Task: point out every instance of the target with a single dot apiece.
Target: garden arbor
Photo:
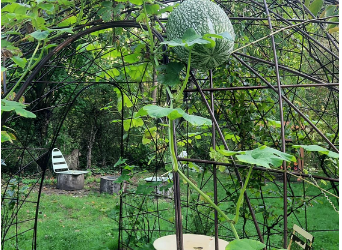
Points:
(279, 88)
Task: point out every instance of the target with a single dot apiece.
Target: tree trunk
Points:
(90, 145)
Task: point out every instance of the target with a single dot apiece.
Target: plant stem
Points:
(207, 198)
(186, 78)
(240, 200)
(172, 147)
(29, 67)
(151, 37)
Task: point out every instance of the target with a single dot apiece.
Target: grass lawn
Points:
(80, 220)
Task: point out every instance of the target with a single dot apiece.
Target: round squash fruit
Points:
(204, 17)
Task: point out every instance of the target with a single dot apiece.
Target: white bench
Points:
(66, 179)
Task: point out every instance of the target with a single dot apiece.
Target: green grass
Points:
(71, 222)
(83, 222)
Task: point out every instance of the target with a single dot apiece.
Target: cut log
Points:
(107, 185)
(70, 181)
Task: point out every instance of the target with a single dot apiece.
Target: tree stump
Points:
(70, 181)
(107, 185)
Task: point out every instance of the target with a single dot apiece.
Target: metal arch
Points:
(121, 24)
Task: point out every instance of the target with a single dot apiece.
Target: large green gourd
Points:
(204, 17)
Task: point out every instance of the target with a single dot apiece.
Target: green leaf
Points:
(142, 18)
(228, 153)
(112, 73)
(62, 30)
(274, 123)
(123, 177)
(17, 8)
(67, 22)
(137, 2)
(131, 123)
(265, 156)
(316, 6)
(329, 11)
(197, 120)
(6, 136)
(17, 107)
(152, 9)
(155, 111)
(21, 62)
(119, 162)
(166, 9)
(49, 7)
(245, 244)
(40, 35)
(316, 148)
(189, 39)
(132, 58)
(333, 155)
(169, 74)
(333, 30)
(262, 156)
(307, 3)
(25, 113)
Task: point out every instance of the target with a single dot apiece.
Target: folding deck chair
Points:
(301, 237)
(66, 179)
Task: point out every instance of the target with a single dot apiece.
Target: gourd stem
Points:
(240, 200)
(206, 197)
(150, 35)
(187, 73)
(172, 147)
(180, 94)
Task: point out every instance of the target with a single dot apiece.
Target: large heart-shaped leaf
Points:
(17, 107)
(155, 111)
(189, 39)
(316, 6)
(40, 35)
(262, 156)
(316, 148)
(245, 244)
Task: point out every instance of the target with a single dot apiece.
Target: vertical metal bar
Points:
(122, 153)
(178, 213)
(282, 124)
(42, 162)
(177, 198)
(213, 141)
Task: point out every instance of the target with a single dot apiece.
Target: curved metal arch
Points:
(114, 24)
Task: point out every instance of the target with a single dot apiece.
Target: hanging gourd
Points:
(205, 17)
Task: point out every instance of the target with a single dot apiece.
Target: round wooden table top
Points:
(190, 242)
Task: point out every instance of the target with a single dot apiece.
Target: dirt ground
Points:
(89, 188)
